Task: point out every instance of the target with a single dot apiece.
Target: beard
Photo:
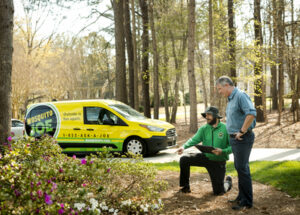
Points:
(212, 122)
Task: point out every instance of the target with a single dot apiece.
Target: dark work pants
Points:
(216, 170)
(241, 150)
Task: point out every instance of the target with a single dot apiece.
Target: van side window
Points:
(91, 115)
(100, 116)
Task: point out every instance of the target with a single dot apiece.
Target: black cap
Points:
(212, 110)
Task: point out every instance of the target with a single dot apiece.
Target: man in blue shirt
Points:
(240, 120)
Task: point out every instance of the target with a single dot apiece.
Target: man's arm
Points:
(248, 121)
(197, 138)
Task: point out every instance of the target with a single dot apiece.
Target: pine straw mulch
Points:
(267, 135)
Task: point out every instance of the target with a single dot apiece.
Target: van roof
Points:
(105, 101)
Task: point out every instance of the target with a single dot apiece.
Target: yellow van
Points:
(89, 125)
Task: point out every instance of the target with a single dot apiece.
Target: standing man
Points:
(212, 134)
(240, 120)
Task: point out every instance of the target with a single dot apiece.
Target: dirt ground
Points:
(267, 200)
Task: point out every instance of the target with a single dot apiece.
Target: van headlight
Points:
(152, 128)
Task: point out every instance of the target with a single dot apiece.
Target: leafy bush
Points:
(36, 178)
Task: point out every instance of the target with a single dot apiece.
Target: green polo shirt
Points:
(210, 136)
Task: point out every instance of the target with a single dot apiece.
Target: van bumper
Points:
(158, 143)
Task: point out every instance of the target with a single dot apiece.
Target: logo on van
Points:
(40, 120)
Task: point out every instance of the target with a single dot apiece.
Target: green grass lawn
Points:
(284, 175)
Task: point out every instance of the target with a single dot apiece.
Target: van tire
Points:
(135, 145)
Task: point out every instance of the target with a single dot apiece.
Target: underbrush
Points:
(36, 178)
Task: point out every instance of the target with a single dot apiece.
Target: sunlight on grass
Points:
(284, 175)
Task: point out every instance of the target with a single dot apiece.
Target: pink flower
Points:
(83, 161)
(12, 133)
(62, 205)
(54, 186)
(83, 184)
(9, 138)
(91, 162)
(74, 157)
(40, 193)
(28, 145)
(61, 211)
(61, 170)
(48, 200)
(108, 170)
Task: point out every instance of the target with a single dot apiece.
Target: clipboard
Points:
(205, 149)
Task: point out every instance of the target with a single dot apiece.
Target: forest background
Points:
(152, 54)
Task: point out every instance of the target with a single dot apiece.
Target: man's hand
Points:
(238, 136)
(217, 151)
(180, 150)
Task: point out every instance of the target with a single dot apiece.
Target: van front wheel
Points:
(135, 146)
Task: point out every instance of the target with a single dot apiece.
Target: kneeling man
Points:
(212, 134)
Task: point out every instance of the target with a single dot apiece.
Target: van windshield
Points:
(127, 112)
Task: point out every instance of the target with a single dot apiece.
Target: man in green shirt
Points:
(212, 134)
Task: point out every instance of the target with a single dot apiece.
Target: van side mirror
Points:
(108, 121)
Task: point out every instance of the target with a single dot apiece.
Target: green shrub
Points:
(36, 178)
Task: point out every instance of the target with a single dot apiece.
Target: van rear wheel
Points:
(135, 146)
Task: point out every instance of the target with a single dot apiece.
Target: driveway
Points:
(257, 154)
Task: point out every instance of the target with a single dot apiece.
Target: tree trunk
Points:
(178, 60)
(298, 91)
(130, 53)
(211, 55)
(258, 83)
(165, 81)
(6, 51)
(232, 38)
(121, 89)
(274, 59)
(280, 28)
(155, 62)
(136, 68)
(293, 68)
(145, 56)
(200, 62)
(191, 72)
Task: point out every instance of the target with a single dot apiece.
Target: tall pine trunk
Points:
(200, 62)
(6, 51)
(155, 62)
(121, 89)
(258, 67)
(130, 51)
(295, 102)
(135, 60)
(178, 60)
(274, 89)
(165, 81)
(191, 72)
(280, 28)
(211, 55)
(145, 57)
(232, 38)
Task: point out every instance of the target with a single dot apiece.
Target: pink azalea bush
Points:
(36, 178)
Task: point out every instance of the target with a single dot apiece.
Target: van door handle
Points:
(76, 128)
(90, 129)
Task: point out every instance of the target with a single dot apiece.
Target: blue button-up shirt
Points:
(238, 107)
